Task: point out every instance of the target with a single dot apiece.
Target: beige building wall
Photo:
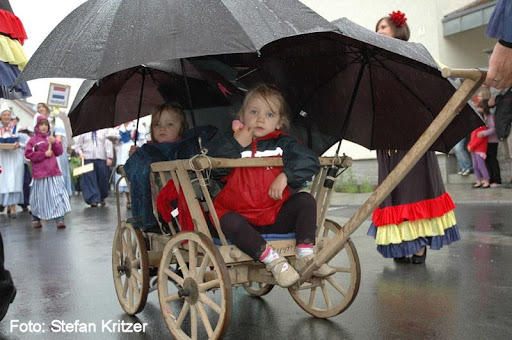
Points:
(425, 21)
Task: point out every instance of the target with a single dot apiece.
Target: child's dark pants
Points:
(297, 214)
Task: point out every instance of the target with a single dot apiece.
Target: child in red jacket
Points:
(478, 148)
(260, 200)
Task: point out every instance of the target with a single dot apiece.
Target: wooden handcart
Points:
(192, 265)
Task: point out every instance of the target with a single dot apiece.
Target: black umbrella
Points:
(376, 91)
(101, 37)
(133, 93)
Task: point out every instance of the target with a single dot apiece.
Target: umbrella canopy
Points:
(115, 99)
(101, 37)
(379, 92)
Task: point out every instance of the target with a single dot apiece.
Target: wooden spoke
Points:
(204, 319)
(312, 297)
(137, 276)
(202, 270)
(178, 279)
(136, 263)
(135, 288)
(183, 314)
(126, 284)
(181, 261)
(337, 286)
(209, 302)
(193, 322)
(192, 258)
(173, 297)
(327, 298)
(203, 287)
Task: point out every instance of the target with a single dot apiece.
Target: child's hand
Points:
(133, 148)
(244, 136)
(277, 187)
(237, 125)
(51, 139)
(48, 153)
(480, 134)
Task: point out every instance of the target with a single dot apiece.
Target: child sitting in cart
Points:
(170, 140)
(257, 201)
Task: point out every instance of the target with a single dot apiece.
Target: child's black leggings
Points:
(297, 214)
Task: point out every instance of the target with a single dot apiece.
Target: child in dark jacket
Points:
(48, 195)
(259, 200)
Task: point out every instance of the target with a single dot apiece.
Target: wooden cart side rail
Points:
(204, 162)
(179, 172)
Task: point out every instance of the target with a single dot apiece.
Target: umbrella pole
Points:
(443, 119)
(144, 72)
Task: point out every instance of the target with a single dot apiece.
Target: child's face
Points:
(43, 127)
(262, 115)
(168, 127)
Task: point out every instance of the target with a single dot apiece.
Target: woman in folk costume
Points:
(418, 212)
(11, 161)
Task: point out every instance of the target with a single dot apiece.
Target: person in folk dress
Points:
(11, 161)
(48, 196)
(418, 212)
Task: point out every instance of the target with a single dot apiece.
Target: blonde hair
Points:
(171, 107)
(266, 91)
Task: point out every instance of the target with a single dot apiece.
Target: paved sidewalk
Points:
(461, 193)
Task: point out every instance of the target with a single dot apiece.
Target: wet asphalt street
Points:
(463, 291)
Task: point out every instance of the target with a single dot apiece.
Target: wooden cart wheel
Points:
(257, 288)
(189, 311)
(130, 268)
(330, 296)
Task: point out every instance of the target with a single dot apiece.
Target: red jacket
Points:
(246, 190)
(478, 144)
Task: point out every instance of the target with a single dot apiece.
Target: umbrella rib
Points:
(406, 88)
(373, 105)
(352, 101)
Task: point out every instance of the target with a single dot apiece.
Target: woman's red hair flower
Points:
(398, 18)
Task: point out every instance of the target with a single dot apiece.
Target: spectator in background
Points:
(94, 147)
(24, 135)
(503, 120)
(11, 160)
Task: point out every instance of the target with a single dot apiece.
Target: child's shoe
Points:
(285, 278)
(37, 224)
(61, 225)
(324, 271)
